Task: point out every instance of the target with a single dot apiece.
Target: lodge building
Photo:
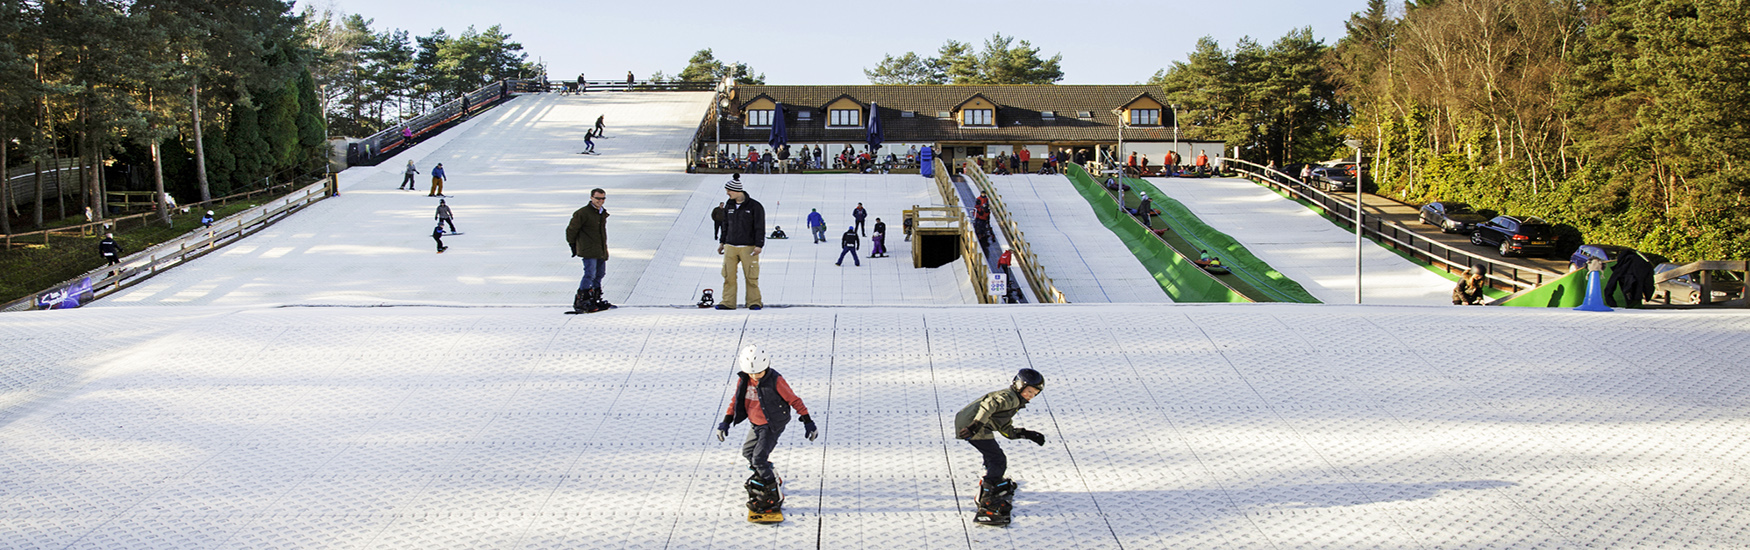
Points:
(958, 121)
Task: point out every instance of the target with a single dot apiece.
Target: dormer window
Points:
(759, 117)
(845, 117)
(978, 117)
(1145, 117)
(1048, 115)
(1085, 115)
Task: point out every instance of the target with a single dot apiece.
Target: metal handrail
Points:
(1516, 275)
(374, 148)
(1043, 287)
(177, 252)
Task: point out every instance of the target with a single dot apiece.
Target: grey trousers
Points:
(758, 447)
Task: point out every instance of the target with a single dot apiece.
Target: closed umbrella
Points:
(874, 129)
(779, 136)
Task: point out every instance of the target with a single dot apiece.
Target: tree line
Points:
(370, 79)
(1627, 121)
(202, 99)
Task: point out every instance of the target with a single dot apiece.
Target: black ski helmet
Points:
(1028, 377)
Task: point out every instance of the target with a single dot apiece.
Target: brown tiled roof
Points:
(1018, 117)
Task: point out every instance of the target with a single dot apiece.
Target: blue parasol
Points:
(874, 129)
(779, 136)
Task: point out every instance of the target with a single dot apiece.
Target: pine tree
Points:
(253, 160)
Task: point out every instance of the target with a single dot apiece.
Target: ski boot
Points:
(580, 303)
(765, 499)
(995, 503)
(707, 300)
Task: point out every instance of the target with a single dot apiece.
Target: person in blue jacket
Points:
(437, 181)
(817, 225)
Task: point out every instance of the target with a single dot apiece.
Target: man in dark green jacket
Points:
(588, 237)
(995, 412)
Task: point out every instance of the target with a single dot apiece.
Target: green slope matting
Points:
(1182, 280)
(1245, 265)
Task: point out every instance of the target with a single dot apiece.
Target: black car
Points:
(1332, 178)
(1526, 237)
(1452, 217)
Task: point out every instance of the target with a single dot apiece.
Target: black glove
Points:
(808, 430)
(970, 430)
(1033, 436)
(723, 427)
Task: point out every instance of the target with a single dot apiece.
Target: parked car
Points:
(1332, 178)
(1452, 217)
(1685, 289)
(1606, 252)
(1515, 236)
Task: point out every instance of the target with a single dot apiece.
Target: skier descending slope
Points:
(764, 399)
(995, 412)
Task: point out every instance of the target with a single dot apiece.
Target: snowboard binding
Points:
(765, 499)
(707, 300)
(995, 503)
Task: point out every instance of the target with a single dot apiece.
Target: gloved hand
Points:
(808, 430)
(1033, 436)
(970, 430)
(723, 427)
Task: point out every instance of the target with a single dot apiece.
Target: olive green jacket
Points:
(996, 410)
(588, 233)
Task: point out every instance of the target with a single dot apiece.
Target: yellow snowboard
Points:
(775, 516)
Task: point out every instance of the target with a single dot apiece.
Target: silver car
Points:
(1686, 290)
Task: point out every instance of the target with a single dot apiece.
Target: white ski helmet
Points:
(753, 360)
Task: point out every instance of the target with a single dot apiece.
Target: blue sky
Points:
(1102, 41)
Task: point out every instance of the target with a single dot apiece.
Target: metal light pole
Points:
(1175, 132)
(1356, 145)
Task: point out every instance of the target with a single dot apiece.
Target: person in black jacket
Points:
(717, 222)
(744, 236)
(1635, 274)
(110, 251)
(851, 243)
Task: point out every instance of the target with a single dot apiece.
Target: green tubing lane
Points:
(1182, 280)
(1256, 272)
(1568, 291)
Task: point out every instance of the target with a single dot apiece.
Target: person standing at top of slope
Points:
(437, 181)
(995, 413)
(588, 236)
(859, 213)
(744, 236)
(407, 177)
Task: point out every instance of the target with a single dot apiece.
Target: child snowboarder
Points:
(880, 240)
(995, 412)
(764, 399)
(445, 216)
(437, 234)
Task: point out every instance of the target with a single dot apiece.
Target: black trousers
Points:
(758, 447)
(996, 464)
(407, 181)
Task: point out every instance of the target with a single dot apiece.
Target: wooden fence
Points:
(145, 264)
(1043, 288)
